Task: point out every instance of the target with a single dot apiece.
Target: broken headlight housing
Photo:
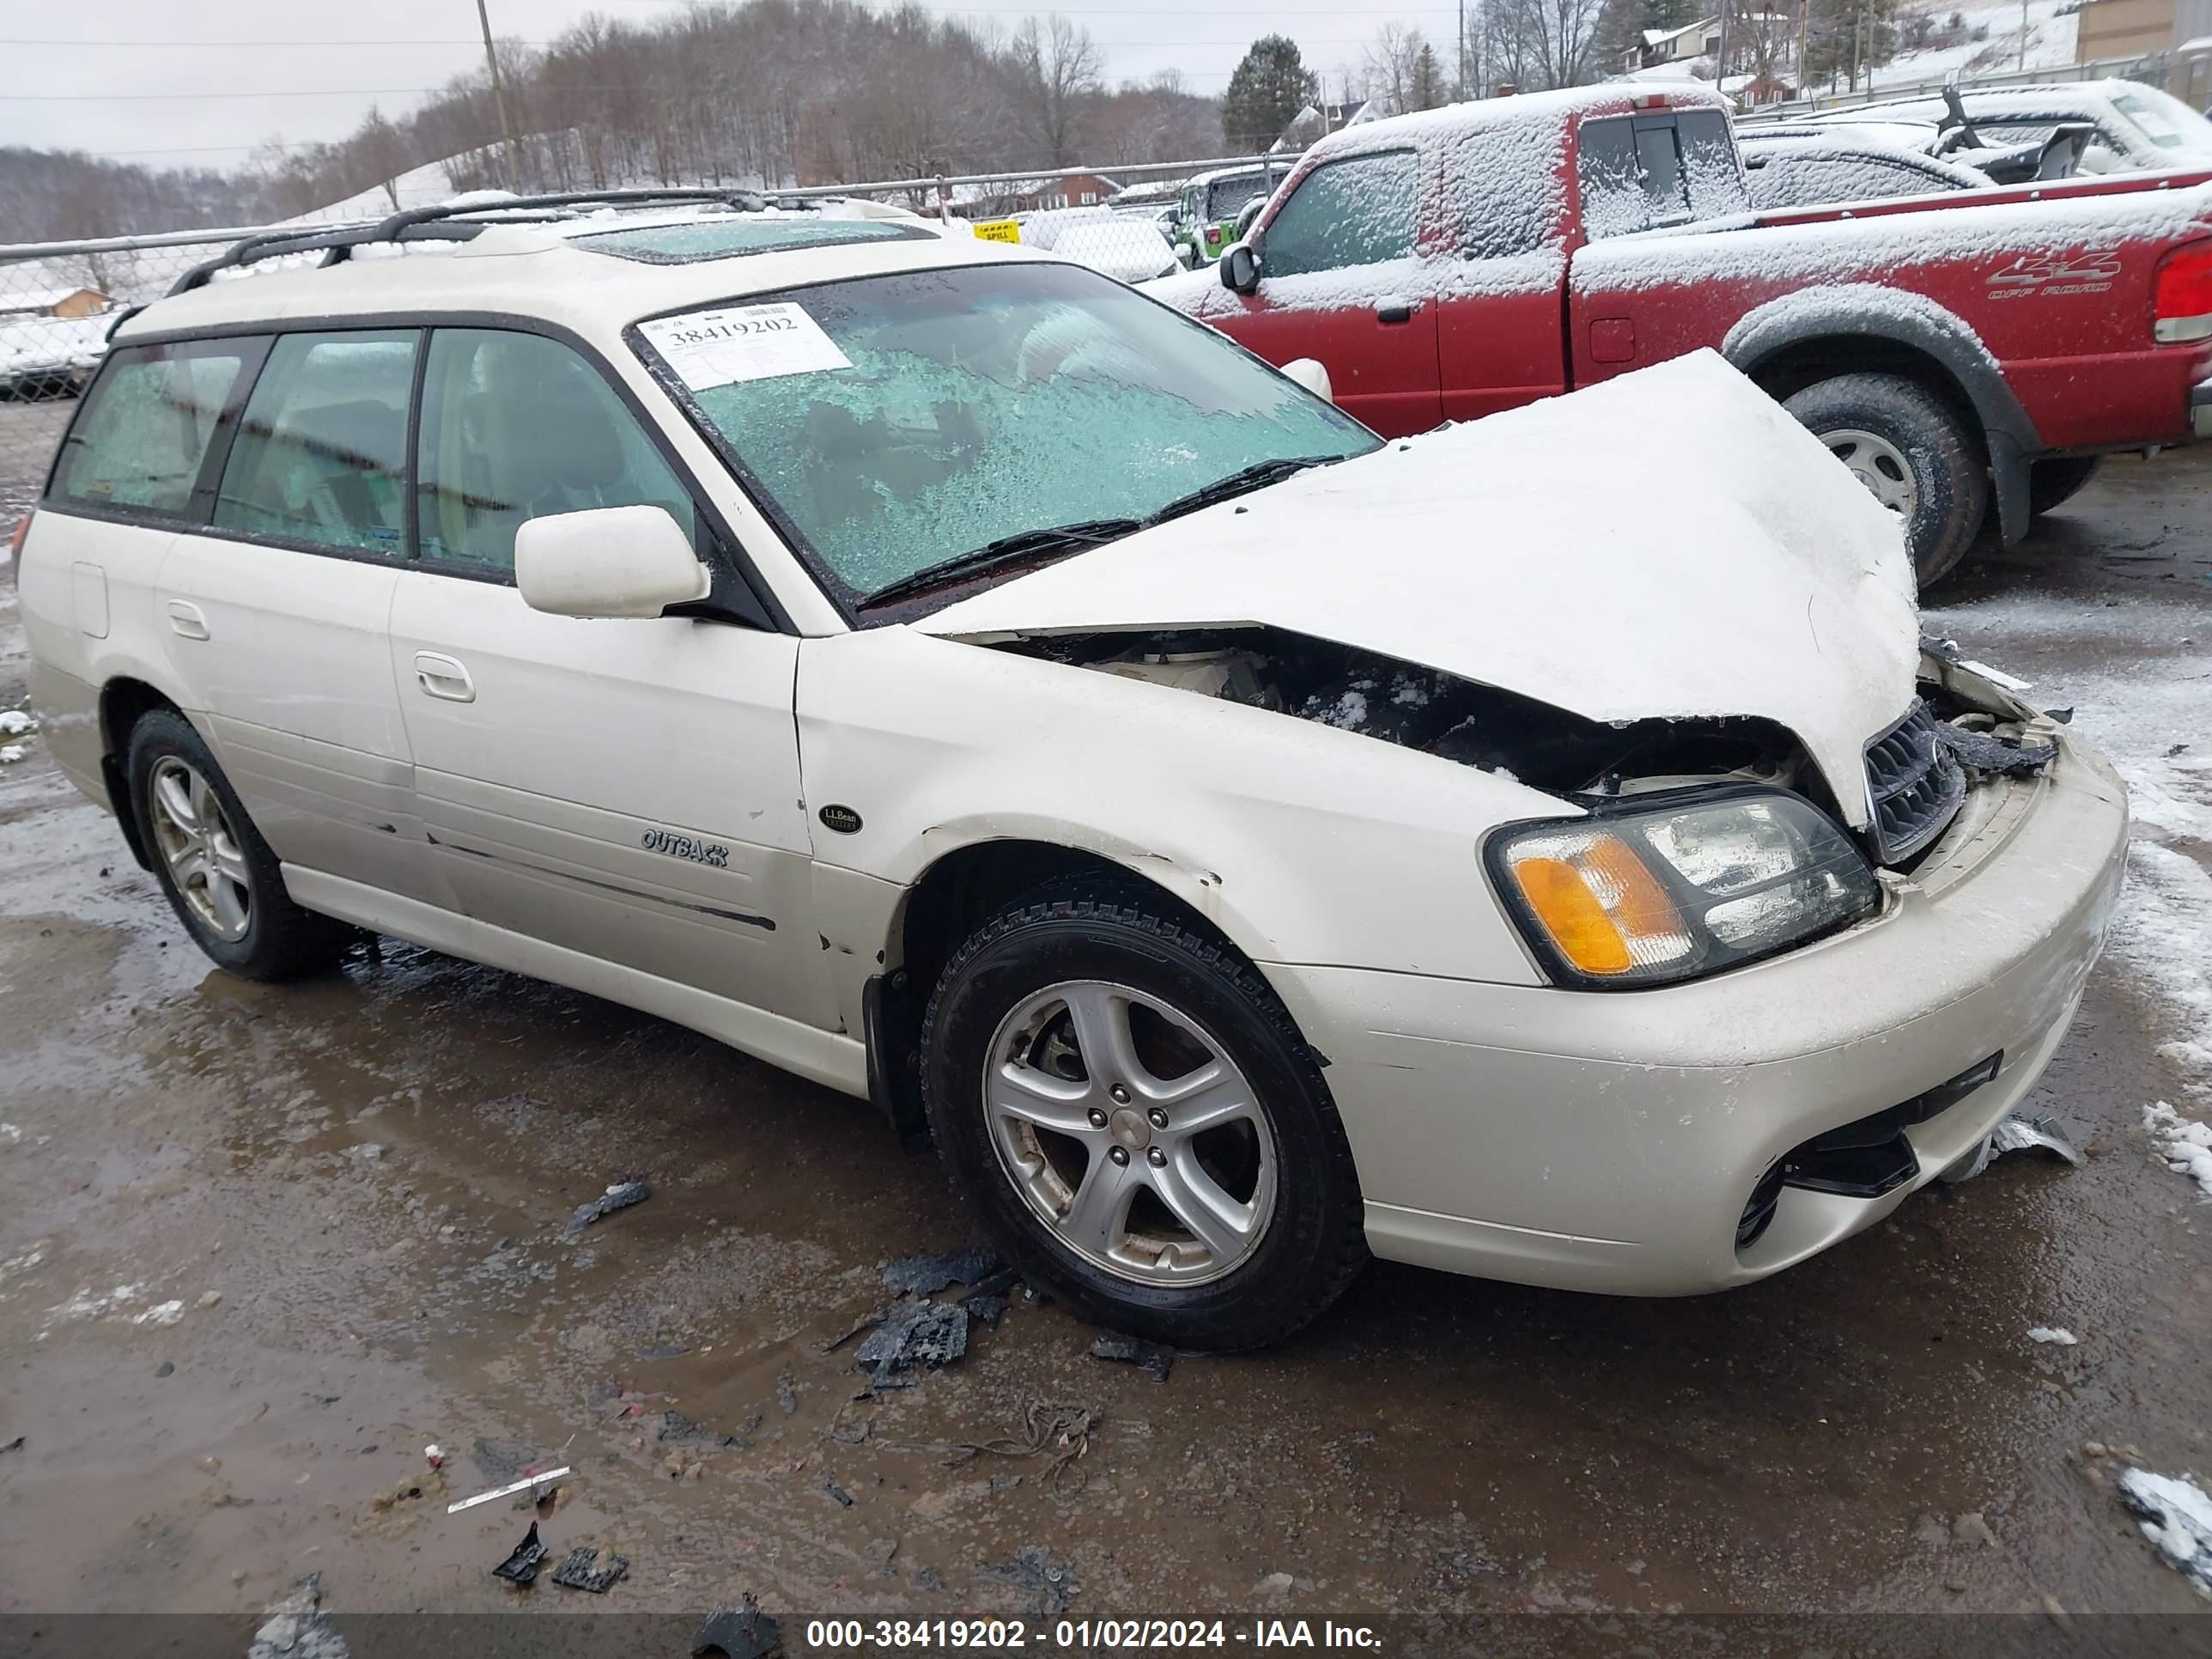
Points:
(1680, 885)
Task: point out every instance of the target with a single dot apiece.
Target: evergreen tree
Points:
(1267, 90)
(1426, 87)
(1846, 39)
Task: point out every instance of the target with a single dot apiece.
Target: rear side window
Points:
(146, 424)
(321, 451)
(1641, 171)
(515, 427)
(1359, 211)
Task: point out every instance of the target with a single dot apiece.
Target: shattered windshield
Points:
(901, 421)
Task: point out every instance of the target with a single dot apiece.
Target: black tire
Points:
(1313, 1243)
(2054, 483)
(280, 940)
(1950, 479)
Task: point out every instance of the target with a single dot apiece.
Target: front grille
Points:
(1915, 783)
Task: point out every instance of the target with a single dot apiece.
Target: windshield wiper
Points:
(1006, 549)
(1242, 481)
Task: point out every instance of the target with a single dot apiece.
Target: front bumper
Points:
(1610, 1142)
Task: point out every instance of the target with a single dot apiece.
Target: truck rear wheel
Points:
(1911, 452)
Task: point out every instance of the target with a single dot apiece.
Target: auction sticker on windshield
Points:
(743, 342)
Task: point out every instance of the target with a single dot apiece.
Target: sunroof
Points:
(761, 233)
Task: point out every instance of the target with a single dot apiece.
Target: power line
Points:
(255, 44)
(144, 97)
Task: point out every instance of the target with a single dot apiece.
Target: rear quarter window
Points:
(137, 444)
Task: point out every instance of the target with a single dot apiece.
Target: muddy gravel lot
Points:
(259, 1246)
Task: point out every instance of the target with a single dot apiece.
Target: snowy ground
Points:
(2050, 44)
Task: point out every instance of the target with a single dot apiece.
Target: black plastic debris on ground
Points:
(914, 1336)
(1047, 1582)
(587, 1569)
(620, 1197)
(2000, 757)
(919, 1275)
(836, 1494)
(743, 1632)
(1130, 1351)
(522, 1565)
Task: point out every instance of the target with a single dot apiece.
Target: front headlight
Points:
(1652, 894)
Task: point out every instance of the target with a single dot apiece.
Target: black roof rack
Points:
(453, 222)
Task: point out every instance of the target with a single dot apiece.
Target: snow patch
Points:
(10, 753)
(162, 1313)
(2176, 1515)
(2057, 1335)
(14, 722)
(2183, 1142)
(2163, 936)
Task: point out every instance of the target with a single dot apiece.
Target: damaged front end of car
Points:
(1697, 844)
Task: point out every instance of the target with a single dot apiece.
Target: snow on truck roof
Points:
(595, 271)
(1534, 113)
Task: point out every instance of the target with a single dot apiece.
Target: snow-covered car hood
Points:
(1668, 544)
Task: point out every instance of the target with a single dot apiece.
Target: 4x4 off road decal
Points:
(2090, 271)
(684, 847)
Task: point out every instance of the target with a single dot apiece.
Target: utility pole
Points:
(1463, 48)
(2023, 36)
(499, 97)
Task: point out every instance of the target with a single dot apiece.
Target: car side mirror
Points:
(607, 562)
(1240, 267)
(1313, 374)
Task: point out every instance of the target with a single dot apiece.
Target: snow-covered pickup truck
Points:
(1954, 351)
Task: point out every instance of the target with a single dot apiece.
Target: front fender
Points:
(1302, 843)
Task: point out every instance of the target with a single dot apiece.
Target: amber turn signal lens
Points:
(1604, 910)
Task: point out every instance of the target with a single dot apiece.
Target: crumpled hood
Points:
(1670, 542)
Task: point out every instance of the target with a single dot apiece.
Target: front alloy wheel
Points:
(1126, 1105)
(200, 848)
(1130, 1133)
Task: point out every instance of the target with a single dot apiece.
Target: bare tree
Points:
(1538, 44)
(1387, 68)
(1057, 68)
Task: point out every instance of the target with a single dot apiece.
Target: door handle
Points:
(186, 619)
(443, 677)
(1395, 310)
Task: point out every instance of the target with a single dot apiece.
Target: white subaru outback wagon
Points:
(1241, 844)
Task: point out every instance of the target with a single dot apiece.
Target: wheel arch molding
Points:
(1810, 335)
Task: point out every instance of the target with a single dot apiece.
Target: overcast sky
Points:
(101, 75)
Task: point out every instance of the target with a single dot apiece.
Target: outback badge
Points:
(710, 852)
(843, 819)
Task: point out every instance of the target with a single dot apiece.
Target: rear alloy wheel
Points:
(205, 866)
(221, 877)
(1127, 1106)
(1912, 453)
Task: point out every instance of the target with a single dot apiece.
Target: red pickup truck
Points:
(1966, 358)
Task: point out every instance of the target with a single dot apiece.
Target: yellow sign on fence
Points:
(999, 230)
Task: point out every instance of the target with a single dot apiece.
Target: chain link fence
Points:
(57, 301)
